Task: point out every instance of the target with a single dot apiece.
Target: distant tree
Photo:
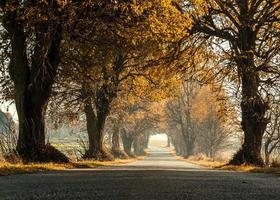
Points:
(197, 119)
(179, 113)
(213, 135)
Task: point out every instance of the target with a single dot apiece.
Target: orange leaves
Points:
(204, 103)
(167, 22)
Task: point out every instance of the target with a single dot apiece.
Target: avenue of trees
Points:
(130, 68)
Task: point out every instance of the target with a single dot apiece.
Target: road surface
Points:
(160, 176)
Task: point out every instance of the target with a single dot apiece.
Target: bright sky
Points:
(159, 137)
(158, 140)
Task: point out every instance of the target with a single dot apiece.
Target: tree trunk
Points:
(182, 151)
(267, 158)
(95, 127)
(31, 140)
(189, 141)
(32, 86)
(146, 140)
(116, 150)
(168, 141)
(190, 148)
(116, 140)
(102, 100)
(139, 145)
(187, 124)
(127, 144)
(253, 115)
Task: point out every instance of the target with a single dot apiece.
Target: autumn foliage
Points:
(190, 69)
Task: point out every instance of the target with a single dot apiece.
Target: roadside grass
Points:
(223, 166)
(21, 168)
(250, 168)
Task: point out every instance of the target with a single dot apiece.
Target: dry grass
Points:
(20, 168)
(249, 168)
(206, 163)
(8, 168)
(200, 160)
(223, 166)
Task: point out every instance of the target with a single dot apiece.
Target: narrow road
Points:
(160, 176)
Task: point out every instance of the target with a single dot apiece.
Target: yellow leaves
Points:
(208, 101)
(198, 2)
(204, 103)
(140, 8)
(167, 22)
(159, 21)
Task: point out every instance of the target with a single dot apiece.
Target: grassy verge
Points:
(20, 168)
(249, 168)
(224, 166)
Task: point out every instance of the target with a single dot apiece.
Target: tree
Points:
(197, 118)
(179, 113)
(244, 33)
(35, 34)
(211, 112)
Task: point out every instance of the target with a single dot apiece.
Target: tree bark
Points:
(116, 149)
(127, 144)
(187, 126)
(138, 145)
(146, 140)
(95, 127)
(116, 140)
(253, 115)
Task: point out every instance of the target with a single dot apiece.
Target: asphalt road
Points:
(160, 176)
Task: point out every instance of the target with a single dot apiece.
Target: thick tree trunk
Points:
(187, 125)
(139, 146)
(33, 83)
(127, 144)
(31, 140)
(95, 126)
(253, 116)
(253, 107)
(116, 149)
(179, 145)
(189, 141)
(189, 148)
(103, 98)
(146, 140)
